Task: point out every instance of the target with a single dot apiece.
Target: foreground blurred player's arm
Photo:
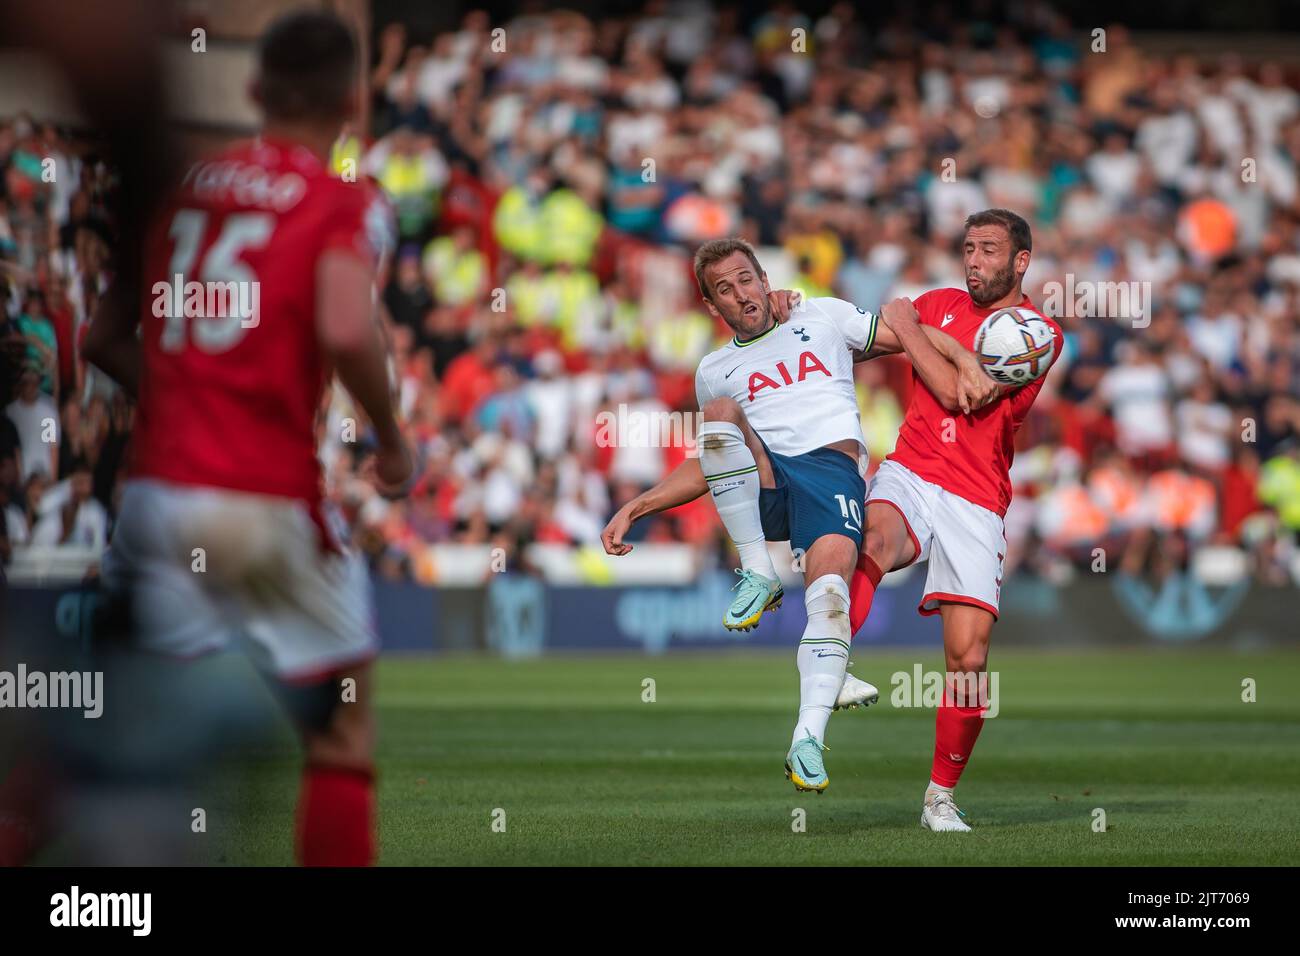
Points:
(111, 343)
(685, 483)
(351, 340)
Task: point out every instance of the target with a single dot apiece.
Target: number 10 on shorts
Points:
(852, 511)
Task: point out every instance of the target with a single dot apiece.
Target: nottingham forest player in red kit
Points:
(943, 493)
(225, 447)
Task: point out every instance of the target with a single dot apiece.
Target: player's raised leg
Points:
(960, 715)
(888, 542)
(823, 655)
(736, 467)
(336, 802)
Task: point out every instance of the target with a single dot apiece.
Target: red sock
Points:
(862, 589)
(25, 795)
(335, 810)
(956, 728)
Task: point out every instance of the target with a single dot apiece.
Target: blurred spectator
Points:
(36, 419)
(550, 396)
(68, 513)
(1136, 391)
(407, 297)
(42, 345)
(1178, 501)
(1205, 429)
(455, 269)
(412, 172)
(1279, 487)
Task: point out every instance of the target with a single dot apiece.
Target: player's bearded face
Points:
(989, 287)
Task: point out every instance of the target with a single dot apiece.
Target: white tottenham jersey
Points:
(795, 382)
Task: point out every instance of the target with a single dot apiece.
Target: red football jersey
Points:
(975, 462)
(230, 387)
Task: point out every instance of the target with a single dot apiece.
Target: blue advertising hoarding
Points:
(516, 615)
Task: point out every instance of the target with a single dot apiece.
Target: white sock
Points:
(934, 789)
(732, 474)
(823, 654)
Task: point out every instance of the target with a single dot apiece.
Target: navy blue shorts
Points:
(819, 492)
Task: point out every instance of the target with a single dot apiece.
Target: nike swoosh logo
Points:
(946, 320)
(802, 769)
(820, 654)
(728, 375)
(722, 491)
(749, 605)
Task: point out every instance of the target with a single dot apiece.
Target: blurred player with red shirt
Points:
(222, 536)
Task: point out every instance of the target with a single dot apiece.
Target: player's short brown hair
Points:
(1015, 226)
(715, 250)
(307, 66)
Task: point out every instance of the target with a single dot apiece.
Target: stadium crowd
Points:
(64, 434)
(550, 176)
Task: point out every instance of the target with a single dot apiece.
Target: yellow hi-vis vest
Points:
(456, 277)
(345, 150)
(680, 341)
(574, 292)
(517, 224)
(530, 299)
(570, 227)
(404, 176)
(1279, 487)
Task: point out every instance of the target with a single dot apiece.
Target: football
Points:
(1015, 345)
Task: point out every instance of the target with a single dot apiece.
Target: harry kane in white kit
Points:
(781, 451)
(792, 385)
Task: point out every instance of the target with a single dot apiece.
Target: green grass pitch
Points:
(586, 772)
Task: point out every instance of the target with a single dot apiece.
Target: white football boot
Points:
(941, 815)
(856, 693)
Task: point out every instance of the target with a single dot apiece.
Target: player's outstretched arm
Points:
(978, 387)
(351, 340)
(971, 388)
(685, 483)
(953, 374)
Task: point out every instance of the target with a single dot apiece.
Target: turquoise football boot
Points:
(804, 766)
(757, 594)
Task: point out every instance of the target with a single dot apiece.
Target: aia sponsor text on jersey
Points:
(808, 364)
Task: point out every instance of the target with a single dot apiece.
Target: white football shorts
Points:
(208, 568)
(964, 543)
